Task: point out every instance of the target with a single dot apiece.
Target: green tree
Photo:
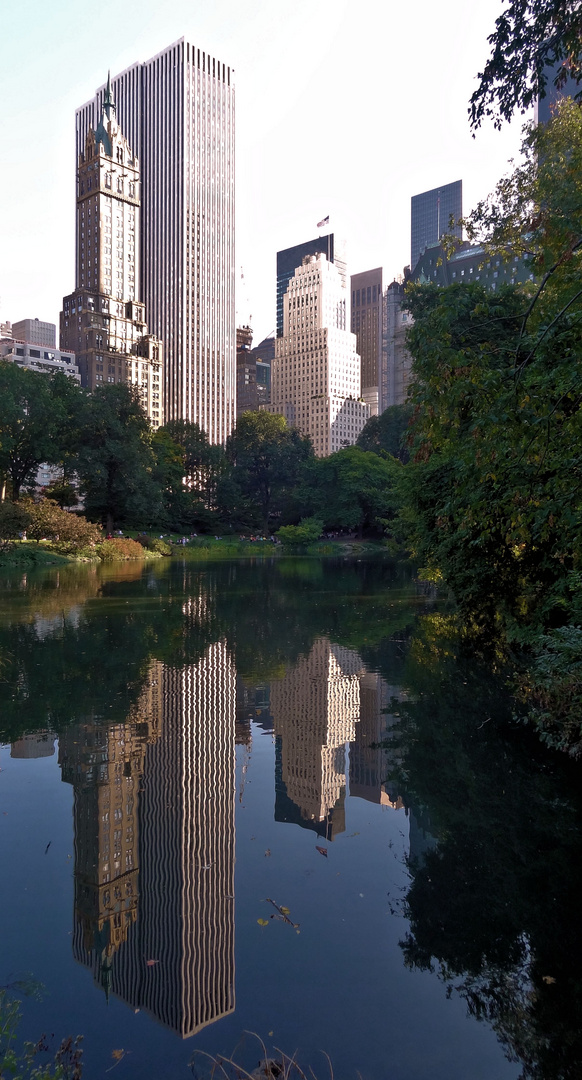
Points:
(33, 421)
(492, 496)
(267, 459)
(531, 38)
(352, 489)
(189, 469)
(14, 520)
(387, 432)
(308, 530)
(47, 521)
(115, 461)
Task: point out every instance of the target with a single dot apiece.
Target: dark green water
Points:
(185, 744)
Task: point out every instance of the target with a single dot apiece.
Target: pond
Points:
(277, 798)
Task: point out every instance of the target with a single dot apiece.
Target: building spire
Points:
(108, 102)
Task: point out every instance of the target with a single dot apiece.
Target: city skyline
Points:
(277, 205)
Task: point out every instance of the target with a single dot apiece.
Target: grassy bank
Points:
(29, 553)
(207, 547)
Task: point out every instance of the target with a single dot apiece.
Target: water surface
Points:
(277, 798)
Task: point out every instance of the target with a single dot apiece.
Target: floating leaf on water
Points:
(322, 850)
(548, 979)
(285, 910)
(150, 963)
(117, 1054)
(263, 922)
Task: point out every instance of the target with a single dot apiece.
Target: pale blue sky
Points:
(343, 108)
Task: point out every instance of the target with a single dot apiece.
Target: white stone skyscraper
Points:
(177, 112)
(316, 376)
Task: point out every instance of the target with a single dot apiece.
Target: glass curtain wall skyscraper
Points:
(177, 111)
(430, 217)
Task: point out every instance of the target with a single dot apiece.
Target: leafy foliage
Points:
(387, 432)
(268, 458)
(531, 37)
(69, 532)
(492, 496)
(308, 530)
(352, 489)
(14, 519)
(36, 411)
(114, 458)
(119, 547)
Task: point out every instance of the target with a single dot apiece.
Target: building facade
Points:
(177, 110)
(366, 324)
(290, 258)
(430, 217)
(35, 332)
(396, 366)
(246, 375)
(316, 381)
(253, 371)
(36, 358)
(103, 319)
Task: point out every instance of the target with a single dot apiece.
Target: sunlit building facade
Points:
(177, 111)
(315, 378)
(103, 320)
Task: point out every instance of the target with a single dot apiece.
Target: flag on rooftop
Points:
(324, 221)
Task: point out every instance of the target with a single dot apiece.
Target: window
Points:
(107, 180)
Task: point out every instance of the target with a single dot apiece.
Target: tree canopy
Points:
(114, 458)
(36, 416)
(268, 457)
(535, 42)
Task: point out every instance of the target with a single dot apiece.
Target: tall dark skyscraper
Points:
(290, 258)
(430, 217)
(177, 113)
(367, 326)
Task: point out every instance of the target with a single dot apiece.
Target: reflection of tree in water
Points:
(494, 908)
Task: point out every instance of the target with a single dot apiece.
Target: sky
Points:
(342, 108)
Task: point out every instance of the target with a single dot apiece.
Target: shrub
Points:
(308, 530)
(67, 532)
(14, 520)
(153, 543)
(118, 549)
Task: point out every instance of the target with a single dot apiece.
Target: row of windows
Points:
(370, 295)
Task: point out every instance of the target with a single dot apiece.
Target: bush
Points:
(119, 548)
(153, 543)
(67, 532)
(307, 532)
(14, 520)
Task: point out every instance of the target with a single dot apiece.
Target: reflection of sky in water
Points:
(130, 915)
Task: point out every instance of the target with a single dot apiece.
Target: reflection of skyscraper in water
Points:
(104, 763)
(187, 923)
(370, 762)
(315, 710)
(185, 915)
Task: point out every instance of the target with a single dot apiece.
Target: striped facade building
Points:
(182, 920)
(177, 112)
